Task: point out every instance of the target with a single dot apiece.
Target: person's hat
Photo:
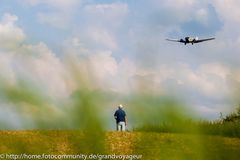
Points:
(120, 106)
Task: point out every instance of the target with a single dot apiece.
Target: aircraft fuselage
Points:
(192, 40)
(189, 40)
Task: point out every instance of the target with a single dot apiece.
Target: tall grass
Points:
(83, 111)
(228, 129)
(80, 111)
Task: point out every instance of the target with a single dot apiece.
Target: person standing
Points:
(120, 117)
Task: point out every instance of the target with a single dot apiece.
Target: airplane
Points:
(190, 40)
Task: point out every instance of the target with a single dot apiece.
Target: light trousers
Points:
(121, 126)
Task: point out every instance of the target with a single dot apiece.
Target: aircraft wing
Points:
(173, 40)
(202, 40)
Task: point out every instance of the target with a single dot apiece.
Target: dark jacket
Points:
(120, 115)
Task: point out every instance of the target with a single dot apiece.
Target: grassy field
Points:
(148, 144)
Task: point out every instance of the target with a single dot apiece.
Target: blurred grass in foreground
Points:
(152, 110)
(83, 111)
(80, 111)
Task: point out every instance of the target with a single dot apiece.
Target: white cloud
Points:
(121, 80)
(108, 11)
(56, 19)
(202, 16)
(227, 39)
(44, 69)
(102, 37)
(103, 64)
(11, 38)
(37, 62)
(75, 46)
(58, 4)
(106, 15)
(100, 63)
(6, 71)
(210, 80)
(11, 35)
(178, 10)
(216, 69)
(180, 4)
(59, 12)
(228, 10)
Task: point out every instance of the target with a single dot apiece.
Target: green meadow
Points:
(150, 145)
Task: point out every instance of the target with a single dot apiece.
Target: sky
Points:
(124, 43)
